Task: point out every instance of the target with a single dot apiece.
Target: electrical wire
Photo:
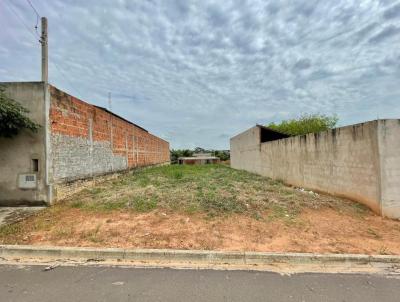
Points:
(34, 34)
(34, 9)
(37, 15)
(51, 62)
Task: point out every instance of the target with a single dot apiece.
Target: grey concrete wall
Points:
(360, 162)
(389, 154)
(16, 153)
(79, 158)
(245, 151)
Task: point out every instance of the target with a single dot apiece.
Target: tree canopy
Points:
(176, 153)
(13, 117)
(308, 123)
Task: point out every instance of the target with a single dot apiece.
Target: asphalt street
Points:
(83, 283)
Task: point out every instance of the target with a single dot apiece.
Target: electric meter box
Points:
(27, 181)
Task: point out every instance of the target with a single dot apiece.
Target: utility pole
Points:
(45, 57)
(45, 79)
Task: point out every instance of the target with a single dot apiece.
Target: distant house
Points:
(199, 159)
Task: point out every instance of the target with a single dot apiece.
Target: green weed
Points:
(142, 204)
(210, 189)
(10, 229)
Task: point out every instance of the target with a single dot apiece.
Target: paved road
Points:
(31, 283)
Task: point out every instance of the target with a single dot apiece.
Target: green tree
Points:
(13, 117)
(308, 123)
(200, 150)
(222, 154)
(176, 153)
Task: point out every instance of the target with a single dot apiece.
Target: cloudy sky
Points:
(199, 72)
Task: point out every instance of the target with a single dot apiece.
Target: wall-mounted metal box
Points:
(27, 181)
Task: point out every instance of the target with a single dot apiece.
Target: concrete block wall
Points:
(245, 151)
(389, 154)
(16, 153)
(87, 140)
(359, 162)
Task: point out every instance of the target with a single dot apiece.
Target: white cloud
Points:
(197, 72)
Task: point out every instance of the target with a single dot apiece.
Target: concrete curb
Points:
(190, 256)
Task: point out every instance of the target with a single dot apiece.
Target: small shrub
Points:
(308, 123)
(13, 116)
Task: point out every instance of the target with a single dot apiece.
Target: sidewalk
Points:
(287, 263)
(10, 215)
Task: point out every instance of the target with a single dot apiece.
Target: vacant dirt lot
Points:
(207, 207)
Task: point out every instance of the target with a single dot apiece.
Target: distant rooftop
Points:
(198, 157)
(202, 155)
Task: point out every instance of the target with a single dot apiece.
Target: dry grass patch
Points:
(207, 207)
(214, 190)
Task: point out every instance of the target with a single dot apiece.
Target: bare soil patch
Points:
(211, 207)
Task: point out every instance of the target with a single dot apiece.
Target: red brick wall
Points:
(71, 117)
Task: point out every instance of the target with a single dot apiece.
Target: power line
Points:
(34, 34)
(37, 15)
(34, 9)
(51, 62)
